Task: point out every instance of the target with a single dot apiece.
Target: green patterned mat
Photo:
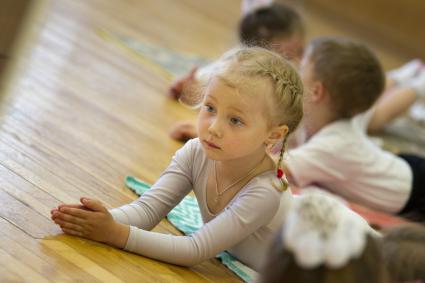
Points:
(168, 63)
(187, 218)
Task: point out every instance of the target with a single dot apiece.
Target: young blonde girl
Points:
(253, 100)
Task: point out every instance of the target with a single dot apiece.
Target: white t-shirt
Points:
(342, 159)
(244, 227)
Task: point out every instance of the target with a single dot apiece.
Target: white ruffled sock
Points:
(405, 72)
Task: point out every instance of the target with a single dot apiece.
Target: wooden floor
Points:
(78, 114)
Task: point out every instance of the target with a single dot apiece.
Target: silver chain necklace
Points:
(219, 194)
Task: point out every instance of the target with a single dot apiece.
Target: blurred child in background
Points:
(403, 251)
(323, 241)
(343, 80)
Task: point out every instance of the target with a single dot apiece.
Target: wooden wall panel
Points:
(394, 24)
(11, 16)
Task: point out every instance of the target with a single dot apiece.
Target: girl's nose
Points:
(215, 128)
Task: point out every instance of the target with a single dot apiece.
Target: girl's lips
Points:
(210, 144)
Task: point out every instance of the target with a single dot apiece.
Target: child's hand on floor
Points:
(180, 84)
(90, 220)
(183, 131)
(56, 209)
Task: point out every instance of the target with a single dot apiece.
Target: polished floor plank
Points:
(77, 117)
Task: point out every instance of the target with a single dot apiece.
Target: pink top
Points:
(243, 228)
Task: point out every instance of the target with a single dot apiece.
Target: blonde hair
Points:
(246, 68)
(241, 66)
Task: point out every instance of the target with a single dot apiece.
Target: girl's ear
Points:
(277, 133)
(318, 92)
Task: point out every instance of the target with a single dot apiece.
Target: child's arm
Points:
(171, 187)
(178, 86)
(390, 106)
(192, 81)
(92, 220)
(147, 211)
(183, 131)
(214, 236)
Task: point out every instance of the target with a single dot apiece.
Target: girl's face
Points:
(232, 125)
(291, 48)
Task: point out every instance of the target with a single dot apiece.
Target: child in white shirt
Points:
(343, 79)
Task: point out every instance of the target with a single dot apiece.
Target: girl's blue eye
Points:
(235, 121)
(209, 108)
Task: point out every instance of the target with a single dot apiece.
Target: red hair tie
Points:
(279, 173)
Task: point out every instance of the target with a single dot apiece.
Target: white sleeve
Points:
(361, 121)
(317, 161)
(172, 186)
(252, 210)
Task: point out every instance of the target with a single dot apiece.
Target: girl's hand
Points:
(183, 131)
(179, 85)
(56, 209)
(91, 220)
